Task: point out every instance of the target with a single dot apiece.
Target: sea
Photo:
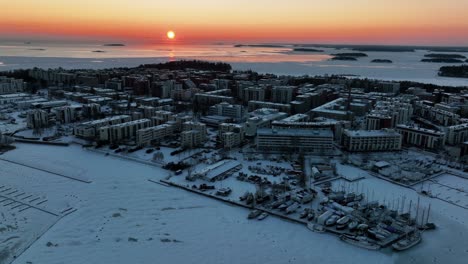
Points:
(275, 59)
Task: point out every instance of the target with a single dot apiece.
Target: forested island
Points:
(344, 58)
(454, 71)
(350, 54)
(381, 61)
(258, 46)
(190, 64)
(442, 60)
(307, 50)
(445, 56)
(114, 45)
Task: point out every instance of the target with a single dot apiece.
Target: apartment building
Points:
(371, 140)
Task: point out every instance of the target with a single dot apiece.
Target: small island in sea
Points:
(258, 46)
(381, 61)
(306, 50)
(344, 58)
(443, 58)
(114, 45)
(446, 56)
(350, 54)
(454, 71)
(99, 51)
(38, 49)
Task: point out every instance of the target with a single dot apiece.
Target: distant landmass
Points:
(442, 60)
(454, 71)
(381, 61)
(98, 51)
(386, 48)
(307, 50)
(344, 58)
(190, 64)
(38, 49)
(114, 45)
(444, 56)
(259, 46)
(350, 54)
(448, 49)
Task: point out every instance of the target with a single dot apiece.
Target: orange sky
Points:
(332, 21)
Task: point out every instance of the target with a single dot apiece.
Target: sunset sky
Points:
(425, 22)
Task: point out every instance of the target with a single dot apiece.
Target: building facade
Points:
(295, 140)
(374, 140)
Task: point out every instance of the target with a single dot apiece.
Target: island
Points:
(190, 64)
(381, 61)
(442, 60)
(445, 56)
(306, 50)
(39, 49)
(114, 45)
(350, 54)
(99, 51)
(344, 58)
(258, 46)
(454, 71)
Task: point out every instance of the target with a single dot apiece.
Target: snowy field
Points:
(121, 217)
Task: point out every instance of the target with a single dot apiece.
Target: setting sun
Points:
(170, 35)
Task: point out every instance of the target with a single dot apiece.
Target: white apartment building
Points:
(254, 93)
(282, 94)
(457, 134)
(147, 136)
(122, 131)
(90, 129)
(231, 135)
(421, 137)
(192, 138)
(37, 119)
(228, 110)
(262, 118)
(371, 140)
(66, 114)
(295, 140)
(10, 85)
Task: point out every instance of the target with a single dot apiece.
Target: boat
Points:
(353, 225)
(377, 233)
(311, 216)
(244, 196)
(285, 205)
(276, 204)
(360, 241)
(343, 220)
(304, 213)
(407, 242)
(254, 214)
(224, 191)
(332, 220)
(316, 227)
(262, 216)
(292, 208)
(362, 227)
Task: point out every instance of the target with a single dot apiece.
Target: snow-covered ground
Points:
(124, 218)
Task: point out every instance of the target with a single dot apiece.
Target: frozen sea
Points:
(277, 60)
(121, 217)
